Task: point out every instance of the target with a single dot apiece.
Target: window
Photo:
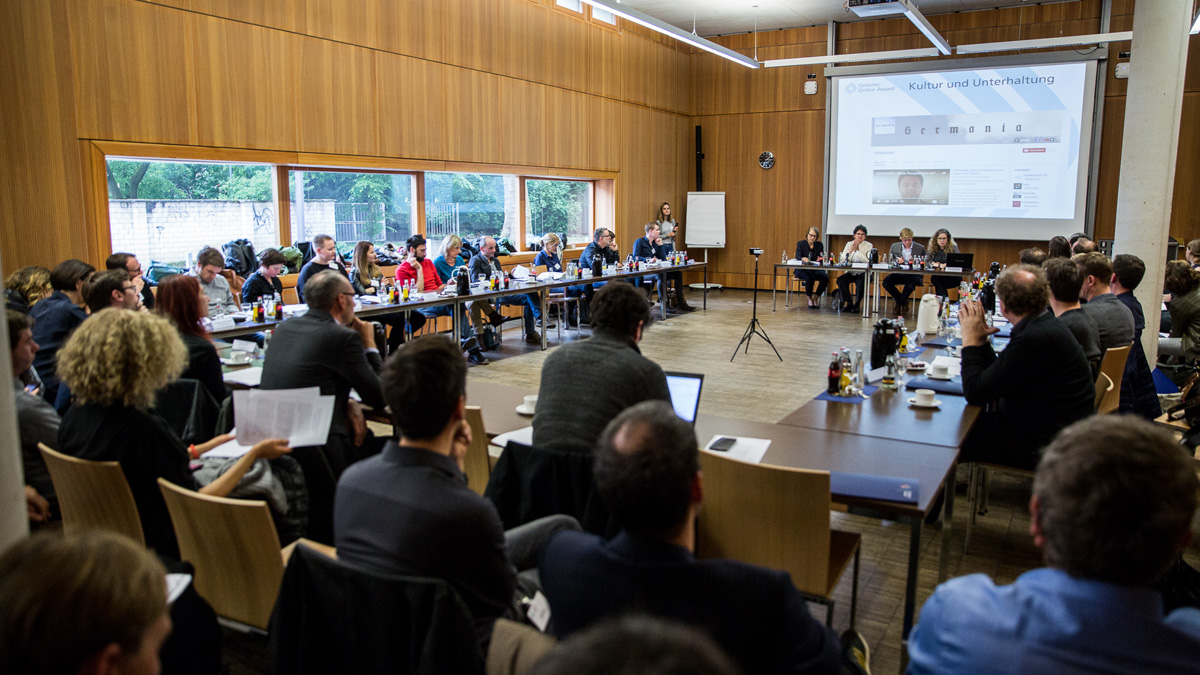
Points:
(352, 207)
(166, 211)
(471, 205)
(603, 15)
(558, 206)
(574, 5)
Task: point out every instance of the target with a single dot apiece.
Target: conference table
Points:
(873, 278)
(366, 310)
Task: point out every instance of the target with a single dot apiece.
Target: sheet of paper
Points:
(745, 449)
(369, 299)
(523, 435)
(245, 346)
(229, 450)
(295, 310)
(176, 585)
(520, 272)
(302, 416)
(246, 377)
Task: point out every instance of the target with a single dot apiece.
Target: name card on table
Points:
(881, 266)
(953, 269)
(222, 323)
(859, 266)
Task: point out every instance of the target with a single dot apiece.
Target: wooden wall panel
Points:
(289, 16)
(412, 101)
(472, 129)
(234, 62)
(412, 27)
(41, 214)
(133, 71)
(1185, 203)
(336, 98)
(524, 117)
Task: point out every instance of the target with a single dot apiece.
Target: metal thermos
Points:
(883, 342)
(463, 279)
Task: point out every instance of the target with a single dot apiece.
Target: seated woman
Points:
(23, 288)
(857, 250)
(449, 259)
(941, 244)
(115, 363)
(1059, 247)
(1192, 253)
(181, 300)
(367, 279)
(264, 282)
(549, 257)
(1183, 283)
(815, 281)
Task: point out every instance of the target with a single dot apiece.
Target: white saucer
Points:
(943, 379)
(913, 403)
(235, 362)
(524, 410)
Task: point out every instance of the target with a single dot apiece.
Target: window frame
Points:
(562, 179)
(417, 176)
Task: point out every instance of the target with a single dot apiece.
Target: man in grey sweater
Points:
(1112, 317)
(586, 384)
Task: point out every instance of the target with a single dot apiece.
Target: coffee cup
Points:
(924, 397)
(239, 358)
(940, 371)
(531, 402)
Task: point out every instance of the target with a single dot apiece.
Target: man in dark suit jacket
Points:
(485, 264)
(904, 251)
(1040, 383)
(325, 348)
(648, 470)
(1138, 394)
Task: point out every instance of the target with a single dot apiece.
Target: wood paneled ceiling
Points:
(723, 17)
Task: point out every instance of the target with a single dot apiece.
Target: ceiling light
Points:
(1043, 43)
(850, 58)
(667, 29)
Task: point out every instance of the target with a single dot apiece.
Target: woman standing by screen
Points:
(941, 244)
(666, 224)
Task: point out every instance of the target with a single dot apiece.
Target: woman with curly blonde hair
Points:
(23, 288)
(115, 363)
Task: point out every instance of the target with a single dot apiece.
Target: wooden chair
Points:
(233, 545)
(93, 495)
(779, 518)
(1113, 365)
(1103, 387)
(235, 284)
(476, 463)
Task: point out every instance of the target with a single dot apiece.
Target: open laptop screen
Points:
(685, 394)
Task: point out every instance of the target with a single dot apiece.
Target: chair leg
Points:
(986, 481)
(829, 614)
(972, 478)
(854, 587)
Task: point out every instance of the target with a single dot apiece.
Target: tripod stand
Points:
(755, 328)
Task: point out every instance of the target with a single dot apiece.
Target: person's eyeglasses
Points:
(128, 288)
(351, 293)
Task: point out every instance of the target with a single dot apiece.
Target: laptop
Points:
(963, 260)
(685, 394)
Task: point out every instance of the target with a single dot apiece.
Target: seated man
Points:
(324, 258)
(1065, 279)
(110, 288)
(652, 249)
(1040, 383)
(1112, 506)
(903, 251)
(1033, 256)
(209, 264)
(55, 317)
(37, 421)
(129, 263)
(1083, 245)
(90, 603)
(1138, 394)
(604, 247)
(1112, 317)
(328, 347)
(420, 270)
(408, 510)
(648, 472)
(585, 384)
(485, 264)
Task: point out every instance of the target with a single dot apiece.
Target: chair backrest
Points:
(766, 515)
(539, 269)
(1103, 386)
(399, 624)
(290, 296)
(476, 463)
(234, 548)
(93, 495)
(529, 483)
(1113, 364)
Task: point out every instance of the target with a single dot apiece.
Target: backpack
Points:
(306, 251)
(239, 257)
(158, 271)
(295, 259)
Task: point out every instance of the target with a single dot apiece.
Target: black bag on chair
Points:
(489, 338)
(239, 257)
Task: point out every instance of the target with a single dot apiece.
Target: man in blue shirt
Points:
(652, 249)
(1112, 505)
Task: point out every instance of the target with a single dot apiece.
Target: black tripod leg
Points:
(745, 339)
(762, 332)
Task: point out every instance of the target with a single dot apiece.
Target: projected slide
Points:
(1002, 143)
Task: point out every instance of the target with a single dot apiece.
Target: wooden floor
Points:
(760, 387)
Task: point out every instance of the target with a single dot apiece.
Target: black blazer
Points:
(257, 286)
(315, 351)
(755, 614)
(803, 250)
(1041, 381)
(204, 365)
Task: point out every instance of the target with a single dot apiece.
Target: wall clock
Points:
(767, 159)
